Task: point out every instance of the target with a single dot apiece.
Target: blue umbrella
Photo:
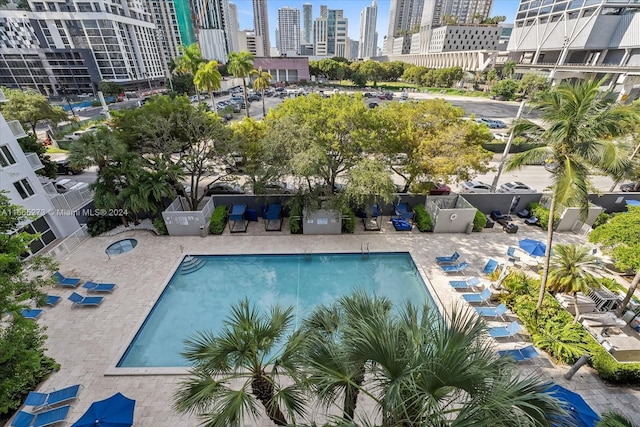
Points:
(116, 411)
(533, 247)
(580, 413)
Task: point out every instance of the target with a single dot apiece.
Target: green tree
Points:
(240, 64)
(252, 350)
(372, 70)
(189, 61)
(98, 148)
(620, 238)
(23, 364)
(578, 124)
(359, 79)
(491, 79)
(183, 84)
(30, 144)
(530, 85)
(369, 182)
(209, 78)
(571, 271)
(393, 70)
(505, 88)
(30, 108)
(614, 419)
(261, 83)
(110, 88)
(414, 73)
(509, 68)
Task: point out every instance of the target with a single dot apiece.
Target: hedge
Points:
(218, 220)
(423, 219)
(542, 214)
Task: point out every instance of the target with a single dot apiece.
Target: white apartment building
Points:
(368, 36)
(580, 39)
(163, 14)
(288, 30)
(261, 24)
(404, 19)
(234, 28)
(330, 33)
(457, 38)
(75, 44)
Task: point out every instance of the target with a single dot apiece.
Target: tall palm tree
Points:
(249, 343)
(96, 149)
(240, 64)
(208, 77)
(571, 271)
(508, 69)
(579, 123)
(189, 62)
(262, 82)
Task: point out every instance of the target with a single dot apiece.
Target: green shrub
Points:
(479, 221)
(542, 214)
(348, 221)
(218, 220)
(423, 219)
(160, 226)
(602, 219)
(96, 225)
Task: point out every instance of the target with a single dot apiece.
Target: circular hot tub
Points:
(121, 246)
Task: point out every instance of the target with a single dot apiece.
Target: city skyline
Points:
(352, 13)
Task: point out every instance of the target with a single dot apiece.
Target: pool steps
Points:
(191, 264)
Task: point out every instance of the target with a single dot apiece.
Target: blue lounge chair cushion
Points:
(32, 313)
(505, 331)
(498, 311)
(478, 298)
(446, 259)
(401, 224)
(497, 215)
(403, 210)
(237, 212)
(470, 283)
(520, 354)
(98, 287)
(491, 266)
(274, 211)
(41, 400)
(532, 220)
(454, 268)
(78, 299)
(51, 416)
(524, 213)
(53, 299)
(68, 282)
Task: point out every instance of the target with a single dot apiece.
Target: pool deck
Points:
(87, 342)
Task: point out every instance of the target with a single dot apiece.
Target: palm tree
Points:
(240, 64)
(189, 61)
(249, 342)
(96, 149)
(262, 82)
(579, 122)
(509, 68)
(208, 77)
(613, 419)
(570, 271)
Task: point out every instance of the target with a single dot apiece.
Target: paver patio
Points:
(87, 342)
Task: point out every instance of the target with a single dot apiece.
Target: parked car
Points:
(501, 136)
(630, 187)
(373, 104)
(382, 96)
(490, 123)
(65, 185)
(279, 89)
(63, 167)
(221, 187)
(515, 187)
(275, 187)
(75, 135)
(254, 97)
(475, 187)
(499, 123)
(388, 96)
(440, 190)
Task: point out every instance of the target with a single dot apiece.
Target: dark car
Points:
(63, 167)
(630, 187)
(254, 97)
(373, 104)
(222, 188)
(440, 190)
(388, 96)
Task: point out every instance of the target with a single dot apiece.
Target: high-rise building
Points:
(330, 33)
(261, 24)
(185, 23)
(404, 19)
(233, 28)
(367, 44)
(164, 14)
(211, 18)
(288, 30)
(249, 42)
(307, 23)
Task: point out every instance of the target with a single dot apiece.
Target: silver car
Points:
(515, 187)
(475, 187)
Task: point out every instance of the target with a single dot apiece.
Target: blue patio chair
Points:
(511, 254)
(495, 312)
(53, 300)
(31, 313)
(41, 401)
(273, 217)
(524, 213)
(478, 298)
(532, 220)
(520, 354)
(50, 417)
(99, 287)
(404, 211)
(448, 259)
(490, 267)
(66, 282)
(238, 223)
(505, 331)
(80, 301)
(470, 283)
(401, 224)
(454, 268)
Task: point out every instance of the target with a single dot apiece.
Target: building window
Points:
(6, 158)
(24, 188)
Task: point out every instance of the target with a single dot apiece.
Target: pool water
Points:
(202, 299)
(121, 246)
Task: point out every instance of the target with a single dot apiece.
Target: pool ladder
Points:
(307, 254)
(364, 250)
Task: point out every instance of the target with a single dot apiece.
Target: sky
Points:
(351, 9)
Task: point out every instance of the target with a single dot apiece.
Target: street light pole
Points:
(507, 147)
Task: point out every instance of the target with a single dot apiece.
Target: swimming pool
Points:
(201, 298)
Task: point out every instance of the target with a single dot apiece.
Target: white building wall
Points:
(461, 38)
(213, 45)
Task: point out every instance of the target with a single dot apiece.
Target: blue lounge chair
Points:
(66, 282)
(520, 354)
(491, 266)
(404, 211)
(505, 331)
(401, 224)
(238, 223)
(53, 300)
(532, 221)
(41, 401)
(524, 213)
(99, 287)
(448, 259)
(470, 283)
(499, 216)
(31, 313)
(454, 268)
(50, 417)
(372, 221)
(79, 300)
(511, 254)
(478, 298)
(496, 312)
(273, 217)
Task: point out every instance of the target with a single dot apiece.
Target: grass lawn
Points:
(55, 150)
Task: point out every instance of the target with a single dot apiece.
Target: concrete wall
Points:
(486, 203)
(571, 216)
(613, 202)
(450, 214)
(181, 222)
(322, 221)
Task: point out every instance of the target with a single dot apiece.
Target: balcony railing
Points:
(34, 161)
(71, 200)
(16, 129)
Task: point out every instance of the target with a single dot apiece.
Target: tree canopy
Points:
(31, 108)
